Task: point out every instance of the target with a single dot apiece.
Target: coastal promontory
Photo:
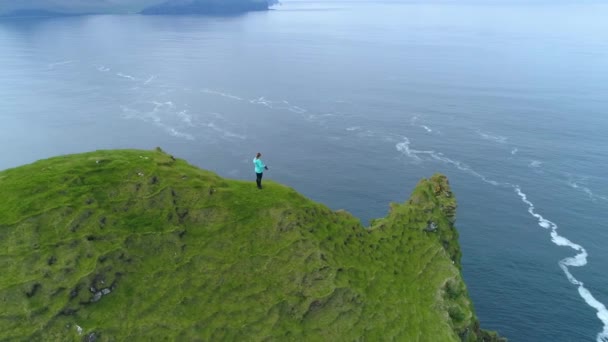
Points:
(129, 245)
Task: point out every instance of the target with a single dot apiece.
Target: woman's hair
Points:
(258, 155)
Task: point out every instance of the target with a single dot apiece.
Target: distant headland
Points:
(40, 8)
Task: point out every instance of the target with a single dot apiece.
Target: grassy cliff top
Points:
(137, 245)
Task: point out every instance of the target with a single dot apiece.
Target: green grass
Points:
(187, 255)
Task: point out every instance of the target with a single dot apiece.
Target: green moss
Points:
(138, 245)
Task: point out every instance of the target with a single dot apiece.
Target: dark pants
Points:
(258, 179)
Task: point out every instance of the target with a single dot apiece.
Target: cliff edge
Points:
(138, 245)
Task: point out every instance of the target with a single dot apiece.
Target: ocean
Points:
(352, 103)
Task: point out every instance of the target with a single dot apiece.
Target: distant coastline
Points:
(205, 8)
(170, 7)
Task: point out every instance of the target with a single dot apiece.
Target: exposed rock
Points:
(91, 337)
(431, 227)
(96, 297)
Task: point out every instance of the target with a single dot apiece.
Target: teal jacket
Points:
(259, 165)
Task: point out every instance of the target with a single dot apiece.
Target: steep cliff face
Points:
(122, 245)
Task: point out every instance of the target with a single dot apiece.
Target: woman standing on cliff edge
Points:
(259, 169)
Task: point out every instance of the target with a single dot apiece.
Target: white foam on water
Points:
(222, 94)
(514, 151)
(174, 132)
(120, 74)
(466, 168)
(102, 68)
(495, 138)
(297, 110)
(160, 105)
(224, 132)
(262, 101)
(535, 164)
(150, 79)
(281, 105)
(53, 65)
(153, 117)
(404, 147)
(586, 190)
(319, 118)
(426, 128)
(354, 128)
(185, 117)
(578, 260)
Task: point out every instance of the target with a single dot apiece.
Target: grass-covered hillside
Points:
(138, 246)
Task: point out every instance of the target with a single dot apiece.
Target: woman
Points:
(259, 169)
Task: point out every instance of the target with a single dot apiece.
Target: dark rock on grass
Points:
(182, 213)
(52, 260)
(314, 306)
(68, 312)
(58, 291)
(74, 292)
(33, 290)
(80, 220)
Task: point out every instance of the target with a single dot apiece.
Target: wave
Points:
(514, 151)
(354, 128)
(225, 132)
(149, 80)
(297, 110)
(185, 117)
(153, 117)
(219, 93)
(174, 132)
(535, 164)
(578, 260)
(282, 104)
(120, 74)
(586, 190)
(414, 122)
(495, 138)
(102, 68)
(261, 101)
(53, 65)
(404, 147)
